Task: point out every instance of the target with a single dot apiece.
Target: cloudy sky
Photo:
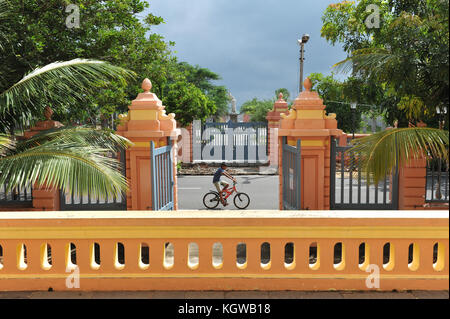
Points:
(251, 44)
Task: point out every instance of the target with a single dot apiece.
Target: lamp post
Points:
(302, 42)
(441, 112)
(353, 107)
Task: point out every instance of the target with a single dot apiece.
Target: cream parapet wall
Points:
(31, 234)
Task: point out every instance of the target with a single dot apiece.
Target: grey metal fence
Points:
(16, 196)
(74, 202)
(162, 177)
(349, 187)
(436, 186)
(291, 176)
(230, 141)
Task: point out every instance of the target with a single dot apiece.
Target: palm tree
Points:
(381, 152)
(73, 159)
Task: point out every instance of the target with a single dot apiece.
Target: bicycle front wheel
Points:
(211, 200)
(241, 200)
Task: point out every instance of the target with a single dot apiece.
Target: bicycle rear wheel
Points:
(211, 200)
(241, 200)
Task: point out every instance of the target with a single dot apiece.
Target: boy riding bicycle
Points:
(217, 182)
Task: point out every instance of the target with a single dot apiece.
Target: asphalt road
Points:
(262, 190)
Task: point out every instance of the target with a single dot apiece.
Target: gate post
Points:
(411, 185)
(44, 198)
(273, 119)
(307, 121)
(146, 121)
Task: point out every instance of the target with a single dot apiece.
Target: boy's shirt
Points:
(218, 174)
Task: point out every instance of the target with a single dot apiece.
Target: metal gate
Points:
(162, 177)
(349, 188)
(291, 176)
(236, 142)
(74, 202)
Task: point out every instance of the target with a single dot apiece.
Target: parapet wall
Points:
(130, 251)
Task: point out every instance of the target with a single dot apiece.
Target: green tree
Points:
(338, 96)
(111, 31)
(285, 93)
(188, 103)
(74, 159)
(408, 56)
(203, 79)
(257, 109)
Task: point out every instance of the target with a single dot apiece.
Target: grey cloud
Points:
(252, 44)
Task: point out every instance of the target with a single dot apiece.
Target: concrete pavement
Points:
(227, 295)
(263, 191)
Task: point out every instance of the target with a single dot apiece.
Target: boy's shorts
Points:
(221, 183)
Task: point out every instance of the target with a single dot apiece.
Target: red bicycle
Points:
(212, 199)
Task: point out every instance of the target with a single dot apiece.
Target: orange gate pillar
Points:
(273, 119)
(307, 121)
(146, 121)
(44, 198)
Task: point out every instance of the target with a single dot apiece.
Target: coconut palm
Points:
(380, 152)
(73, 159)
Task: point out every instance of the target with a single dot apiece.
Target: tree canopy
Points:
(338, 96)
(406, 54)
(257, 109)
(36, 34)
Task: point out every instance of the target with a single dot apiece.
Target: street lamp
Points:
(442, 112)
(302, 42)
(353, 107)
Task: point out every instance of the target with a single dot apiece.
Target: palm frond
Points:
(81, 135)
(6, 144)
(4, 16)
(56, 81)
(379, 153)
(370, 60)
(73, 168)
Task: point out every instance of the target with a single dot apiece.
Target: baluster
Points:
(229, 256)
(10, 257)
(325, 254)
(180, 256)
(277, 256)
(132, 253)
(205, 256)
(33, 256)
(426, 257)
(107, 255)
(84, 255)
(156, 255)
(375, 253)
(58, 251)
(401, 252)
(351, 256)
(253, 255)
(301, 256)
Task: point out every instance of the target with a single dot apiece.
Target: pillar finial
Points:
(48, 112)
(307, 84)
(146, 85)
(280, 96)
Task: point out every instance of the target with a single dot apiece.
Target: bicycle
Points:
(212, 199)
